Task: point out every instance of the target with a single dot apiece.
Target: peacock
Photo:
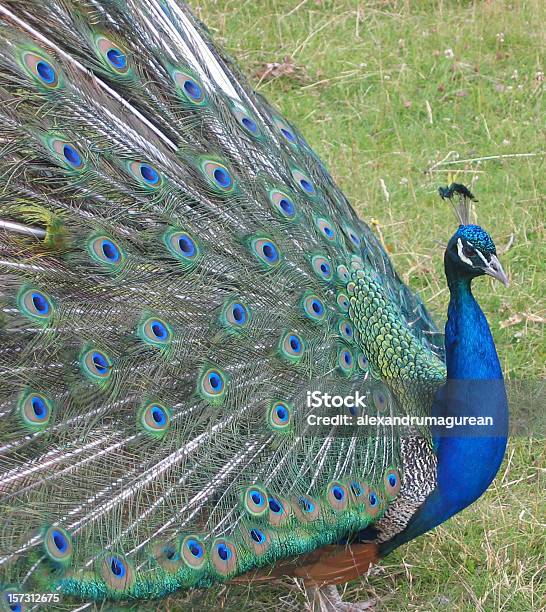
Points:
(179, 273)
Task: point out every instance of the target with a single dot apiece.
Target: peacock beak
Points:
(494, 269)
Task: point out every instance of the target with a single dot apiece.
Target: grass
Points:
(394, 96)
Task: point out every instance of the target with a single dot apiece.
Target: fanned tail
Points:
(177, 270)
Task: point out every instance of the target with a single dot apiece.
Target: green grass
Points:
(384, 91)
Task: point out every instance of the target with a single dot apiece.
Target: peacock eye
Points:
(469, 251)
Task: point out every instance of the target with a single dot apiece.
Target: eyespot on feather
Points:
(167, 556)
(255, 500)
(337, 496)
(154, 418)
(217, 175)
(58, 545)
(7, 597)
(246, 120)
(346, 330)
(35, 410)
(224, 556)
(326, 229)
(313, 307)
(189, 87)
(41, 68)
(280, 417)
(106, 251)
(35, 304)
(286, 131)
(342, 302)
(362, 362)
(66, 152)
(306, 508)
(392, 483)
(235, 315)
(322, 267)
(116, 572)
(282, 203)
(352, 235)
(193, 552)
(146, 174)
(381, 398)
(256, 538)
(343, 275)
(303, 182)
(212, 385)
(112, 54)
(155, 331)
(345, 361)
(358, 491)
(96, 365)
(292, 347)
(266, 251)
(279, 511)
(372, 502)
(183, 246)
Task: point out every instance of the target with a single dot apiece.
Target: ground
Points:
(399, 98)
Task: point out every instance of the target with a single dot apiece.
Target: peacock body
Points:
(178, 270)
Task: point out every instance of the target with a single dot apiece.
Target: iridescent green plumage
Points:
(205, 276)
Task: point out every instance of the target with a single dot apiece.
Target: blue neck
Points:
(469, 457)
(470, 350)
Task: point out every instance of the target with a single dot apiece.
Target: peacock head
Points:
(471, 252)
